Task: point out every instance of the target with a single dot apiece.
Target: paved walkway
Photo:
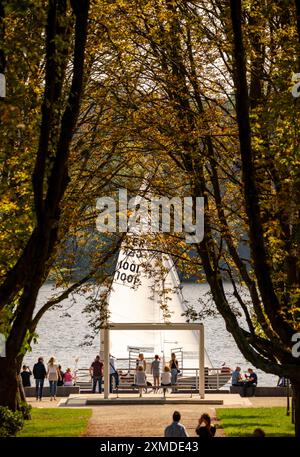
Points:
(145, 420)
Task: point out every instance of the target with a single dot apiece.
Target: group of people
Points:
(97, 370)
(167, 378)
(204, 428)
(248, 384)
(53, 373)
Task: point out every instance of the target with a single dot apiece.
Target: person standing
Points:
(141, 362)
(25, 375)
(140, 379)
(176, 429)
(60, 381)
(39, 373)
(174, 369)
(155, 371)
(53, 375)
(96, 372)
(113, 374)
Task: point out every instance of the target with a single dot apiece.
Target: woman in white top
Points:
(141, 362)
(53, 375)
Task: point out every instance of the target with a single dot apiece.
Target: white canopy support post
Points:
(106, 361)
(201, 362)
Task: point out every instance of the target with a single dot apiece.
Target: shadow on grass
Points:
(236, 416)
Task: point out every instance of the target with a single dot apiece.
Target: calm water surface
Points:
(62, 330)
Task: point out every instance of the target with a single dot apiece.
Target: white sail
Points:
(143, 282)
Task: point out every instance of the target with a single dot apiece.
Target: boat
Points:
(146, 289)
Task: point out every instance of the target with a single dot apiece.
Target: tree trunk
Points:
(22, 404)
(296, 404)
(8, 383)
(296, 398)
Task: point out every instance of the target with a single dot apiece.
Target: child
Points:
(140, 379)
(166, 379)
(68, 378)
(155, 369)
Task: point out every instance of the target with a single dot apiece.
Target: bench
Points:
(62, 391)
(262, 391)
(131, 387)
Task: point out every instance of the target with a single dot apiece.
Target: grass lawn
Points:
(243, 421)
(56, 422)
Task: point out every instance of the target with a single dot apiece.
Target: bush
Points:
(25, 409)
(10, 422)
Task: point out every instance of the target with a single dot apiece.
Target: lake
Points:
(62, 330)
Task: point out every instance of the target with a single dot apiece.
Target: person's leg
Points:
(51, 389)
(157, 383)
(37, 388)
(54, 389)
(41, 389)
(141, 391)
(252, 392)
(41, 386)
(172, 377)
(100, 384)
(164, 391)
(111, 383)
(94, 384)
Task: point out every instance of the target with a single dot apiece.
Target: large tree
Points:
(64, 126)
(65, 31)
(216, 102)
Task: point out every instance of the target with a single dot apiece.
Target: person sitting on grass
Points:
(176, 429)
(140, 379)
(204, 428)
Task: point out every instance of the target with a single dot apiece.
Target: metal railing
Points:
(215, 378)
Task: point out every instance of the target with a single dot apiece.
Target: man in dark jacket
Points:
(39, 373)
(96, 372)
